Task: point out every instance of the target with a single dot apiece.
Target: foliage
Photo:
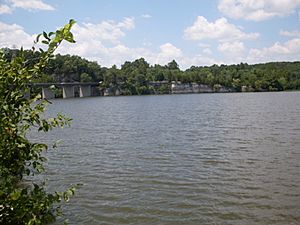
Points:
(23, 202)
(136, 77)
(84, 77)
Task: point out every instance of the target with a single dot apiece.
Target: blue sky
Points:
(193, 32)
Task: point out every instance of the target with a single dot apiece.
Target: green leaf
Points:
(72, 22)
(15, 195)
(69, 38)
(46, 36)
(37, 38)
(32, 221)
(20, 157)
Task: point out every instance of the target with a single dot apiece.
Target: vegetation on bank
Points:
(23, 201)
(136, 77)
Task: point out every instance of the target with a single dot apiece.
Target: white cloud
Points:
(197, 60)
(98, 42)
(207, 51)
(220, 29)
(5, 9)
(13, 35)
(167, 53)
(233, 52)
(94, 44)
(146, 16)
(170, 50)
(101, 42)
(127, 23)
(294, 33)
(203, 45)
(234, 48)
(288, 51)
(31, 4)
(257, 10)
(24, 4)
(110, 31)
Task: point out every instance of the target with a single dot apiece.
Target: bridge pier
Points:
(47, 93)
(68, 91)
(85, 91)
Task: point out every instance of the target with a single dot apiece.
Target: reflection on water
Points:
(181, 159)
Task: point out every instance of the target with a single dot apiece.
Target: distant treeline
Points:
(135, 77)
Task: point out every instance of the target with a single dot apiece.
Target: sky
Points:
(193, 32)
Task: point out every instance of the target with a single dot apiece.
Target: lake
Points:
(180, 159)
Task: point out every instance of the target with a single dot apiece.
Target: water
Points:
(180, 159)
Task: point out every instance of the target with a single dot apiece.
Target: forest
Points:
(136, 77)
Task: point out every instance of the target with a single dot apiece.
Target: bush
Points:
(23, 202)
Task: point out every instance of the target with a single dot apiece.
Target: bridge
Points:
(68, 89)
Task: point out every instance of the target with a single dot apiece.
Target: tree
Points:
(260, 77)
(19, 157)
(84, 77)
(112, 76)
(173, 65)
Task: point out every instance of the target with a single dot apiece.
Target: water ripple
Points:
(181, 159)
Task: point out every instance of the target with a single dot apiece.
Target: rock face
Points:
(183, 88)
(173, 87)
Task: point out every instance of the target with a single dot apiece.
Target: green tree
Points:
(173, 65)
(236, 84)
(260, 77)
(112, 76)
(22, 202)
(84, 77)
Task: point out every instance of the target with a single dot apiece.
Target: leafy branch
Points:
(19, 157)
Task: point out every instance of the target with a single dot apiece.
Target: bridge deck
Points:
(64, 84)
